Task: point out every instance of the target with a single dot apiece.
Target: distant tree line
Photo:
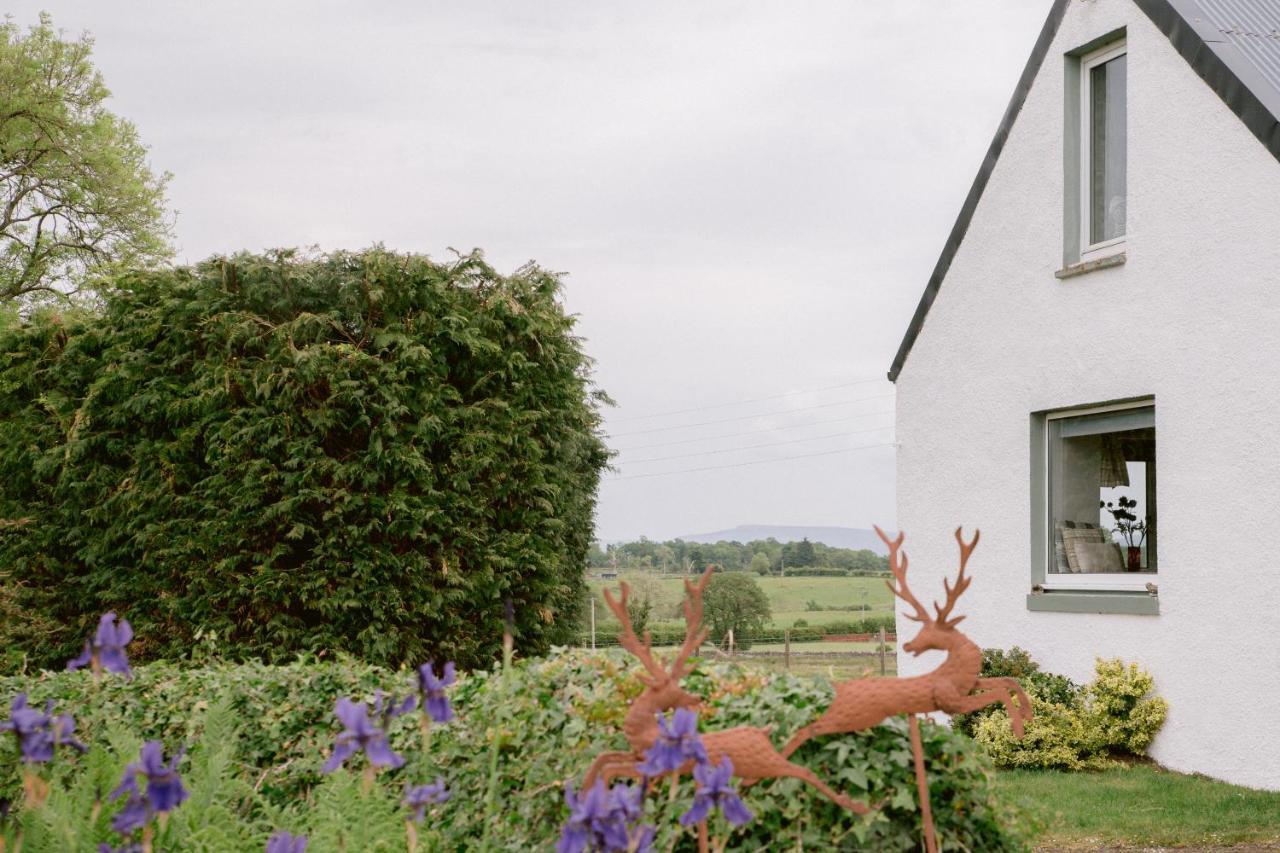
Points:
(762, 556)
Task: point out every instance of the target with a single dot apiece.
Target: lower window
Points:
(1101, 503)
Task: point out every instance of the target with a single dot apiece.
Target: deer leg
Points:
(804, 774)
(603, 760)
(954, 704)
(626, 766)
(817, 728)
(1014, 687)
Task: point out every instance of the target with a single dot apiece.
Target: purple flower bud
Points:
(434, 700)
(106, 650)
(677, 744)
(38, 732)
(283, 842)
(716, 792)
(418, 798)
(163, 790)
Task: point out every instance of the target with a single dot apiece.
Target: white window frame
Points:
(1093, 251)
(1113, 581)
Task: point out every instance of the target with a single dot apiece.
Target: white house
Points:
(1104, 322)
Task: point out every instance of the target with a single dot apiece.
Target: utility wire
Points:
(748, 417)
(757, 446)
(752, 400)
(756, 462)
(754, 431)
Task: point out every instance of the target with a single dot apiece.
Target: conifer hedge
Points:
(365, 452)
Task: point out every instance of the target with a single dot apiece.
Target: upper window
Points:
(1103, 146)
(1101, 498)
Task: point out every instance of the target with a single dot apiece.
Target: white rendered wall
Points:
(1192, 318)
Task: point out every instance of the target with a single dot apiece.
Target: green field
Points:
(787, 598)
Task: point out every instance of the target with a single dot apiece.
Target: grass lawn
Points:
(1143, 806)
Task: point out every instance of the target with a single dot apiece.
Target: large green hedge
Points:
(360, 452)
(550, 718)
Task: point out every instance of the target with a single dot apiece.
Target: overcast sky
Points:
(747, 198)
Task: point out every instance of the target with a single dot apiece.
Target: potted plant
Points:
(1133, 529)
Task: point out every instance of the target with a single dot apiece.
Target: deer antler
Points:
(694, 633)
(628, 640)
(962, 582)
(898, 565)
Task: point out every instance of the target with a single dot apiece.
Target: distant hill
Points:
(835, 537)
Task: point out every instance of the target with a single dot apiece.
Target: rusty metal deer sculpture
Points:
(865, 702)
(753, 754)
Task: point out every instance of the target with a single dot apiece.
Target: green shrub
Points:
(865, 625)
(1113, 715)
(360, 452)
(556, 715)
(1017, 663)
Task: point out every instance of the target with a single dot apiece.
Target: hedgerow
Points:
(548, 719)
(359, 452)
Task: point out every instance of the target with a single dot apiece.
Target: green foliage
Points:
(1122, 708)
(676, 555)
(760, 564)
(553, 716)
(735, 602)
(1113, 715)
(76, 193)
(361, 452)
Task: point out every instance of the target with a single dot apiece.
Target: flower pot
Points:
(1135, 558)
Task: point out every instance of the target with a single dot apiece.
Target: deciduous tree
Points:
(76, 192)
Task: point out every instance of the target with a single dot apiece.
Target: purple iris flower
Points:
(418, 798)
(38, 732)
(677, 744)
(358, 734)
(434, 700)
(164, 791)
(106, 650)
(601, 820)
(284, 842)
(716, 792)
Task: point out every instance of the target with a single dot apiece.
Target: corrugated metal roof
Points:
(1253, 27)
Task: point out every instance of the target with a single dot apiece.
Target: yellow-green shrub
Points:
(1115, 715)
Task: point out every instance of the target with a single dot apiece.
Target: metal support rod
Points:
(922, 785)
(786, 645)
(883, 670)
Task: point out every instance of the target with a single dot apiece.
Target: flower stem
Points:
(491, 794)
(411, 836)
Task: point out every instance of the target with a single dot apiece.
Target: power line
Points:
(752, 400)
(757, 446)
(747, 417)
(754, 431)
(756, 462)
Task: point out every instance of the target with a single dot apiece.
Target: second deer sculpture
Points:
(865, 702)
(753, 754)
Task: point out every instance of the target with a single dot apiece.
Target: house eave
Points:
(1254, 101)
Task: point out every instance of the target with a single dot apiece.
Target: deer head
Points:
(662, 683)
(937, 631)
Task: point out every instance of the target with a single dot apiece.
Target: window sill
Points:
(1089, 266)
(1133, 603)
